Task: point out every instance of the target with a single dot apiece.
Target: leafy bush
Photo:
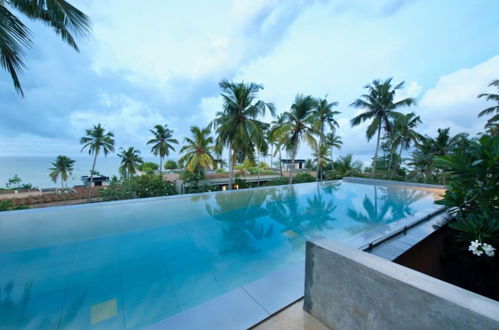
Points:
(221, 171)
(243, 184)
(473, 186)
(7, 205)
(303, 177)
(148, 167)
(170, 165)
(147, 185)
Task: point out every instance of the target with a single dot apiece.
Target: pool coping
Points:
(256, 301)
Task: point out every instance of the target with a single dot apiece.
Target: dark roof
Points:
(296, 160)
(99, 178)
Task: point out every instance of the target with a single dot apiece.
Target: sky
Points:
(160, 63)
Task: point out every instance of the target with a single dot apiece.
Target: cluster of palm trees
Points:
(239, 128)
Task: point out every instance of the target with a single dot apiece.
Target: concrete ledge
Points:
(349, 289)
(391, 182)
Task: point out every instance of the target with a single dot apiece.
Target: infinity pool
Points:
(128, 264)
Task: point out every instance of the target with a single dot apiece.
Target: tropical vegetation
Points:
(96, 140)
(66, 20)
(62, 168)
(161, 143)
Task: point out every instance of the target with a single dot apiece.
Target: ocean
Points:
(35, 170)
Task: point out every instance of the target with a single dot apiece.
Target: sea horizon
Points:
(35, 169)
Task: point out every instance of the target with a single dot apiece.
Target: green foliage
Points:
(14, 182)
(477, 227)
(299, 178)
(62, 168)
(130, 161)
(148, 167)
(242, 184)
(170, 165)
(221, 171)
(473, 173)
(66, 21)
(192, 182)
(147, 185)
(7, 205)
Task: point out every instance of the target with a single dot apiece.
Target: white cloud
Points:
(453, 101)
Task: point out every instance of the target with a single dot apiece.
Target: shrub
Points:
(170, 165)
(147, 185)
(8, 205)
(148, 167)
(303, 177)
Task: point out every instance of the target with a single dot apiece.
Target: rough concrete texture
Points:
(349, 289)
(292, 317)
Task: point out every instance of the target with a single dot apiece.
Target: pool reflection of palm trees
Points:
(386, 205)
(241, 229)
(301, 223)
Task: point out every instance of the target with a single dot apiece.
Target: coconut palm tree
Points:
(333, 141)
(130, 161)
(96, 140)
(162, 143)
(321, 153)
(238, 126)
(324, 117)
(66, 20)
(198, 150)
(297, 126)
(275, 139)
(492, 124)
(346, 166)
(381, 107)
(405, 134)
(62, 168)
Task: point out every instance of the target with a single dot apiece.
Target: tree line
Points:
(239, 129)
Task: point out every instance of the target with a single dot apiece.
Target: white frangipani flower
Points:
(478, 248)
(488, 249)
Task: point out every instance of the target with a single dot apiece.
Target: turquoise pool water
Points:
(129, 264)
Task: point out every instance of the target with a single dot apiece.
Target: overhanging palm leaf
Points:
(65, 19)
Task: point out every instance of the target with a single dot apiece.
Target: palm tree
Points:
(198, 150)
(130, 161)
(381, 108)
(324, 117)
(66, 20)
(96, 140)
(345, 166)
(321, 153)
(333, 141)
(237, 126)
(297, 126)
(62, 168)
(405, 134)
(275, 139)
(162, 143)
(492, 124)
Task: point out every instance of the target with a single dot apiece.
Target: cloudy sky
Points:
(161, 62)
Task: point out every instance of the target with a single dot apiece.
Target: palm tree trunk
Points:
(231, 167)
(258, 168)
(91, 178)
(389, 163)
(271, 152)
(280, 162)
(400, 158)
(332, 163)
(161, 166)
(376, 152)
(293, 156)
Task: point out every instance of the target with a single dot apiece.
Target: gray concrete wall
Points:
(347, 288)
